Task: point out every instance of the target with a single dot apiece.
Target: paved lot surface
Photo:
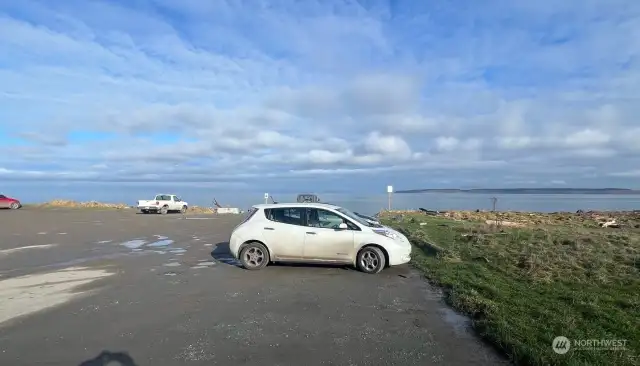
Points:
(83, 287)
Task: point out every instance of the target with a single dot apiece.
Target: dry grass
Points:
(550, 275)
(61, 203)
(76, 204)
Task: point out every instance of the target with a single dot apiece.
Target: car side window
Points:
(2, 196)
(286, 215)
(326, 219)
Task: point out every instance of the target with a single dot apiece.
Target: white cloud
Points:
(99, 91)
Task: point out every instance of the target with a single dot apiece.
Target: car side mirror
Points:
(343, 226)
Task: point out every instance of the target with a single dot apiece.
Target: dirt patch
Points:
(28, 294)
(13, 250)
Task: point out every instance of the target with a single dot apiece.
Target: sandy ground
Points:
(86, 287)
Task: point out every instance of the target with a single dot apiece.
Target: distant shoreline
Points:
(611, 191)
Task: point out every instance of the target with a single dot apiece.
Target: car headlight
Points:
(388, 234)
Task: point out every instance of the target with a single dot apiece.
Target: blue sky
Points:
(305, 95)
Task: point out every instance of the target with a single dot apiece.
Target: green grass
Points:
(522, 287)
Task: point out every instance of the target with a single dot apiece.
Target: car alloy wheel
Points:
(371, 260)
(254, 256)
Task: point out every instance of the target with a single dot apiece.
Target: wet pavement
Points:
(84, 287)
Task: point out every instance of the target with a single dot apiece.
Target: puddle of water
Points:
(160, 243)
(170, 274)
(199, 267)
(104, 241)
(208, 245)
(197, 218)
(459, 322)
(171, 264)
(160, 251)
(180, 254)
(207, 264)
(62, 233)
(73, 262)
(42, 233)
(160, 237)
(178, 250)
(227, 259)
(133, 244)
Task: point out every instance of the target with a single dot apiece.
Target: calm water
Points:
(367, 204)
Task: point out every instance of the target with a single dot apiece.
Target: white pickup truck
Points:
(163, 203)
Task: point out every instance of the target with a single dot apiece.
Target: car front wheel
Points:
(14, 205)
(254, 256)
(370, 260)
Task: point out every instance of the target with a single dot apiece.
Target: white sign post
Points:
(266, 198)
(389, 192)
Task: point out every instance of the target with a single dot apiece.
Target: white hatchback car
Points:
(315, 233)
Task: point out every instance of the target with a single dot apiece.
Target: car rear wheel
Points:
(370, 260)
(14, 205)
(164, 210)
(254, 256)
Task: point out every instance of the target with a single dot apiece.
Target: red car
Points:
(8, 202)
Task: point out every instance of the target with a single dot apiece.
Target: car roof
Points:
(296, 204)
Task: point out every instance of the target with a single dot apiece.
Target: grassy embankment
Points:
(528, 278)
(59, 203)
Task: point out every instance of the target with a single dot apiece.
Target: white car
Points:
(315, 233)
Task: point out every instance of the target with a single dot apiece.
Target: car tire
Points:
(370, 260)
(164, 210)
(184, 209)
(14, 205)
(144, 211)
(254, 256)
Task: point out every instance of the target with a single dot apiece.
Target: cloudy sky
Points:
(320, 95)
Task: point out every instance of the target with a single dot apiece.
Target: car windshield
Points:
(355, 217)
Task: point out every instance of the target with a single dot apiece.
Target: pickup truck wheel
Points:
(164, 210)
(184, 209)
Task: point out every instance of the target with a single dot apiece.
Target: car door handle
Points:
(269, 228)
(311, 232)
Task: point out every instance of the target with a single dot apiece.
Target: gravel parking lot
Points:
(82, 287)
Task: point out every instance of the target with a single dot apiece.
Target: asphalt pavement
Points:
(89, 287)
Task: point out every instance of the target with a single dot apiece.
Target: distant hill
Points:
(526, 190)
